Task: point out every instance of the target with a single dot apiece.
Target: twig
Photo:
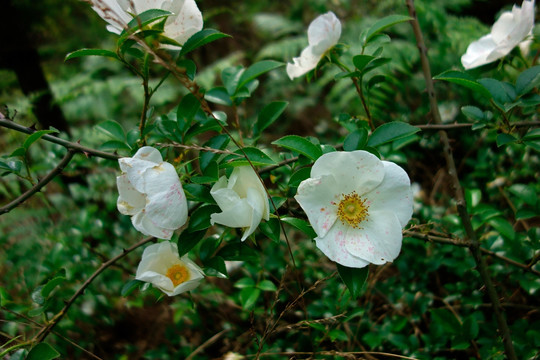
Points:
(10, 124)
(207, 343)
(468, 125)
(34, 189)
(460, 198)
(332, 353)
(54, 321)
(198, 148)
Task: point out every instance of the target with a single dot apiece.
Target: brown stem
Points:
(54, 321)
(34, 189)
(364, 103)
(474, 246)
(10, 124)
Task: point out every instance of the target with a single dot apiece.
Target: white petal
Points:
(319, 199)
(130, 201)
(393, 194)
(185, 286)
(379, 239)
(307, 61)
(145, 225)
(114, 13)
(149, 153)
(333, 246)
(160, 281)
(324, 32)
(257, 204)
(478, 52)
(186, 21)
(134, 170)
(144, 5)
(244, 178)
(358, 171)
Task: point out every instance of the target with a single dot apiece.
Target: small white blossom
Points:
(323, 34)
(242, 200)
(150, 191)
(507, 32)
(358, 206)
(185, 21)
(162, 267)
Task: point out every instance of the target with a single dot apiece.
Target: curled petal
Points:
(333, 245)
(324, 32)
(478, 52)
(147, 226)
(130, 201)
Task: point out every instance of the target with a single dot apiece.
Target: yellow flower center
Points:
(352, 210)
(178, 274)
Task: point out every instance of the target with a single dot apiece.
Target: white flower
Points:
(185, 21)
(242, 200)
(357, 205)
(323, 33)
(162, 267)
(507, 32)
(150, 191)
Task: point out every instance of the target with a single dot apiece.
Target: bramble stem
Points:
(474, 246)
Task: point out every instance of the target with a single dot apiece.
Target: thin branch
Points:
(460, 198)
(207, 343)
(10, 124)
(54, 321)
(332, 353)
(198, 148)
(34, 189)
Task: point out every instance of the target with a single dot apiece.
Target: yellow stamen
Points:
(352, 210)
(178, 274)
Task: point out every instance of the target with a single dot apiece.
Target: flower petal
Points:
(324, 32)
(244, 178)
(318, 198)
(149, 153)
(394, 193)
(358, 171)
(145, 225)
(307, 61)
(186, 21)
(379, 239)
(130, 201)
(478, 52)
(333, 245)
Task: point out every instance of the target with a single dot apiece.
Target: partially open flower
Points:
(323, 34)
(358, 206)
(150, 191)
(242, 200)
(508, 32)
(185, 21)
(162, 267)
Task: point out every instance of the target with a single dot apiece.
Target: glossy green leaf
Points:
(238, 251)
(112, 129)
(188, 240)
(35, 136)
(356, 140)
(90, 52)
(257, 69)
(144, 19)
(114, 145)
(200, 218)
(505, 139)
(360, 61)
(201, 38)
(300, 145)
(376, 63)
(528, 80)
(218, 95)
(473, 113)
(268, 115)
(354, 278)
(249, 296)
(301, 225)
(391, 131)
(463, 79)
(208, 248)
(503, 227)
(384, 23)
(215, 266)
(130, 286)
(197, 192)
(298, 176)
(255, 155)
(43, 351)
(501, 92)
(51, 284)
(231, 77)
(267, 285)
(14, 166)
(187, 109)
(244, 283)
(271, 229)
(189, 66)
(219, 142)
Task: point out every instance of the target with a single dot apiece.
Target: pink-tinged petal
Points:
(186, 21)
(324, 32)
(146, 225)
(319, 200)
(134, 170)
(478, 52)
(394, 193)
(130, 201)
(334, 246)
(358, 171)
(378, 240)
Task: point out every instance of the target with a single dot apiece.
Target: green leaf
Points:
(503, 227)
(144, 19)
(268, 115)
(219, 142)
(218, 95)
(130, 286)
(43, 351)
(186, 111)
(249, 296)
(238, 251)
(256, 156)
(34, 137)
(378, 62)
(36, 295)
(391, 131)
(50, 285)
(384, 23)
(301, 225)
(230, 77)
(267, 285)
(505, 139)
(114, 145)
(526, 193)
(90, 52)
(360, 61)
(257, 69)
(188, 240)
(271, 229)
(473, 113)
(463, 79)
(216, 267)
(200, 218)
(189, 66)
(244, 283)
(501, 92)
(354, 278)
(528, 80)
(532, 134)
(197, 192)
(300, 145)
(112, 129)
(298, 176)
(201, 38)
(14, 166)
(356, 140)
(20, 151)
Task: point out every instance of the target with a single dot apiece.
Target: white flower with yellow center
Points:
(242, 200)
(164, 269)
(358, 206)
(507, 32)
(323, 34)
(185, 21)
(150, 191)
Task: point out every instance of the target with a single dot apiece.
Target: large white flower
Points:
(507, 32)
(323, 33)
(150, 191)
(185, 21)
(162, 267)
(242, 200)
(358, 206)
